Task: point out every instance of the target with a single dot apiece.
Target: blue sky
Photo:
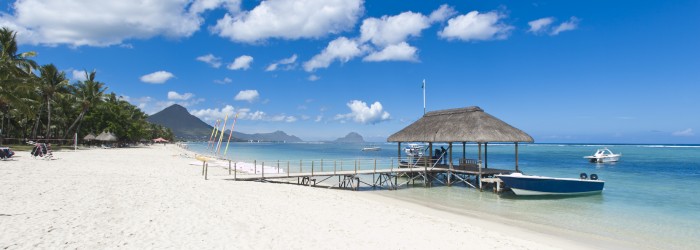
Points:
(563, 71)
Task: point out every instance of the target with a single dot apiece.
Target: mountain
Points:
(277, 136)
(352, 137)
(182, 123)
(186, 126)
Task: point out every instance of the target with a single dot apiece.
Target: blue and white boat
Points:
(542, 185)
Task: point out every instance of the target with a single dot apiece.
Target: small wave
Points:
(669, 146)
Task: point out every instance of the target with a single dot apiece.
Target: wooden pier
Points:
(386, 176)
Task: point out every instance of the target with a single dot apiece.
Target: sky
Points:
(562, 71)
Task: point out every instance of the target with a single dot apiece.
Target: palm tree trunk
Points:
(36, 124)
(72, 126)
(48, 123)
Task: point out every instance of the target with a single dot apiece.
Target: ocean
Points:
(648, 199)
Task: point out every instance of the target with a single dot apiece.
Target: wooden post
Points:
(312, 168)
(235, 165)
(263, 170)
(464, 151)
(255, 166)
(425, 172)
(516, 157)
(206, 171)
(334, 166)
(203, 165)
(229, 167)
(399, 152)
(278, 166)
(355, 166)
(479, 152)
(480, 188)
(300, 170)
(321, 165)
(486, 155)
(375, 171)
(287, 168)
(449, 172)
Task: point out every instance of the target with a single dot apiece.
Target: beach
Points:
(156, 197)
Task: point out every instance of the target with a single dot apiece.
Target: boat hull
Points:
(537, 185)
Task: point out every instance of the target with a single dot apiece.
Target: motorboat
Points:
(414, 150)
(541, 185)
(603, 155)
(371, 148)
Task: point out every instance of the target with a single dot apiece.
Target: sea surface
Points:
(650, 198)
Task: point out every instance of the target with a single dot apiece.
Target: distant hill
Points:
(182, 123)
(352, 137)
(277, 136)
(187, 126)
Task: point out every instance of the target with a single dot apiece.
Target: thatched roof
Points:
(469, 124)
(89, 137)
(106, 136)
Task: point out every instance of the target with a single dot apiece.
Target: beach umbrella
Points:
(89, 137)
(160, 139)
(106, 136)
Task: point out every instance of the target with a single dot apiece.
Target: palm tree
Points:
(52, 83)
(88, 94)
(15, 73)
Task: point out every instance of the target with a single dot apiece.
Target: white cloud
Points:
(211, 115)
(211, 60)
(475, 26)
(389, 30)
(286, 61)
(314, 78)
(318, 118)
(572, 24)
(442, 13)
(341, 49)
(242, 62)
(172, 95)
(224, 81)
(686, 132)
(247, 95)
(361, 113)
(398, 52)
(540, 25)
(157, 77)
(104, 23)
(78, 75)
(290, 19)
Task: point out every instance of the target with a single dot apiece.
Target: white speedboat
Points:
(414, 150)
(541, 185)
(603, 155)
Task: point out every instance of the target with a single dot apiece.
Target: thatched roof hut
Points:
(89, 137)
(106, 136)
(469, 124)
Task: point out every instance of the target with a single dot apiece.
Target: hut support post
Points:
(449, 171)
(479, 151)
(399, 151)
(516, 158)
(486, 155)
(428, 161)
(480, 187)
(464, 151)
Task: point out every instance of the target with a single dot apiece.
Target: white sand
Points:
(152, 197)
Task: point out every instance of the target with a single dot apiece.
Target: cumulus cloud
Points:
(686, 132)
(105, 23)
(475, 26)
(290, 19)
(247, 95)
(172, 95)
(314, 78)
(289, 62)
(210, 59)
(540, 25)
(157, 77)
(398, 52)
(441, 14)
(226, 80)
(78, 75)
(361, 113)
(242, 62)
(341, 49)
(572, 24)
(211, 115)
(389, 30)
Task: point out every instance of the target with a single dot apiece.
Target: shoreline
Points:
(152, 197)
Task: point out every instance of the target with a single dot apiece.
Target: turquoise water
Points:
(649, 198)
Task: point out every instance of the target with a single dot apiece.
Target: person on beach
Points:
(443, 154)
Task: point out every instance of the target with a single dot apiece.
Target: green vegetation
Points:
(39, 103)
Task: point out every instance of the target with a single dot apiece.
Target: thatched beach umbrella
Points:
(89, 137)
(106, 136)
(470, 124)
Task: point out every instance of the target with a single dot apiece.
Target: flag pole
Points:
(424, 96)
(218, 147)
(231, 133)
